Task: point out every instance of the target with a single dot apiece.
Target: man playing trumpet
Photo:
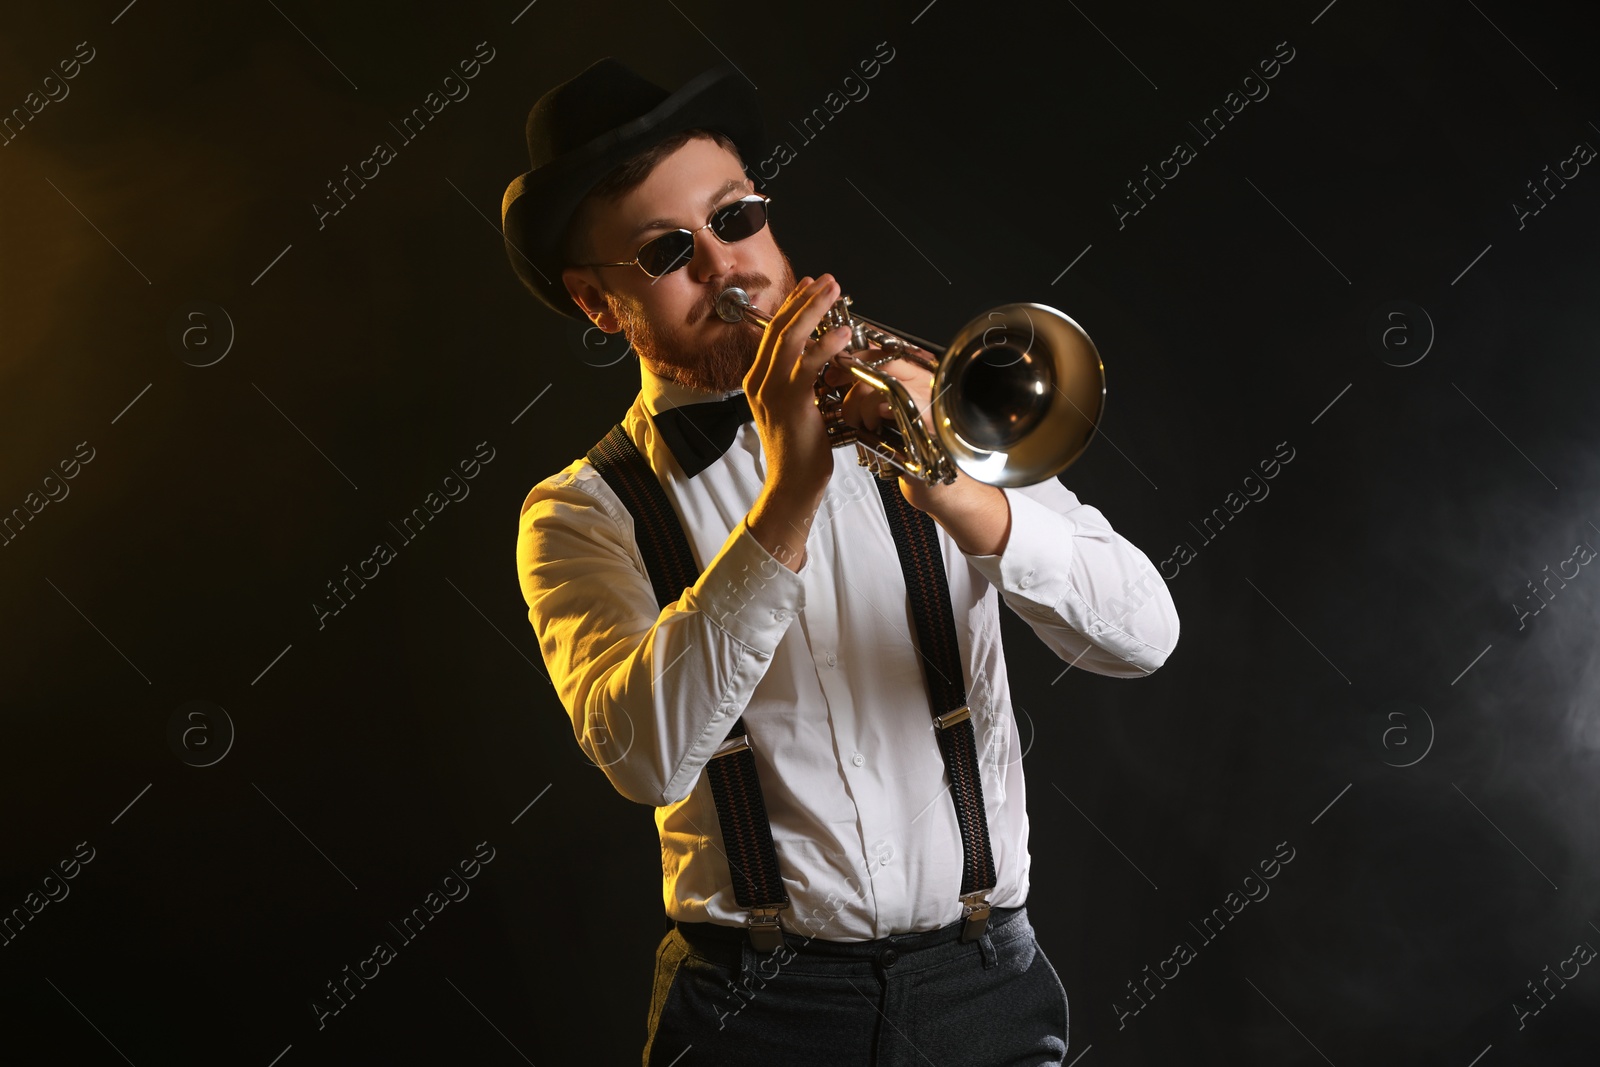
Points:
(801, 673)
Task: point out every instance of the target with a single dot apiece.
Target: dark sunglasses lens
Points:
(667, 253)
(740, 219)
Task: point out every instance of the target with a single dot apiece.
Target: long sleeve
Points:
(1093, 598)
(651, 694)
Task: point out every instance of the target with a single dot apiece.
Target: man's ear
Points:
(580, 283)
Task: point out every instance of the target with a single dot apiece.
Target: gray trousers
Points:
(910, 1000)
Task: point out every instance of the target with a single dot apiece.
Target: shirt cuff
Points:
(1032, 564)
(748, 593)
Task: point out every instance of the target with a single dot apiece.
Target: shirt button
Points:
(782, 615)
(832, 660)
(858, 759)
(1027, 580)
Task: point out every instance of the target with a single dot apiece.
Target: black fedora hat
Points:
(583, 129)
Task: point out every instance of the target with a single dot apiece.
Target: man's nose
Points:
(712, 258)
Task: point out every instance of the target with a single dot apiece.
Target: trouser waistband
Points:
(717, 939)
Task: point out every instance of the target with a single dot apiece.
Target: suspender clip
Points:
(975, 915)
(950, 718)
(765, 933)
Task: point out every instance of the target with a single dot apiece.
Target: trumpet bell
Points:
(1019, 394)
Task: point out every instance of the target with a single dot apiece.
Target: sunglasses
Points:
(662, 255)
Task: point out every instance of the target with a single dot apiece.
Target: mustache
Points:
(749, 281)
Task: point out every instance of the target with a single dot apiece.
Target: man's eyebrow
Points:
(728, 186)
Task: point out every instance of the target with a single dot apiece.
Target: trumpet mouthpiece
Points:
(731, 304)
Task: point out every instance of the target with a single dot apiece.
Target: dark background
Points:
(1351, 678)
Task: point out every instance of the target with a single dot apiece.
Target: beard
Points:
(717, 366)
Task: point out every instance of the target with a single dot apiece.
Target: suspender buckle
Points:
(765, 933)
(729, 746)
(951, 718)
(974, 914)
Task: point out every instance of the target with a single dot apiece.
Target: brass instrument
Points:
(1017, 395)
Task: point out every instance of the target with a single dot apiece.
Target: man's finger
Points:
(820, 352)
(767, 357)
(797, 331)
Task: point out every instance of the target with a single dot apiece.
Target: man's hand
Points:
(976, 515)
(780, 387)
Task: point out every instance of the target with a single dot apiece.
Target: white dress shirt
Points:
(822, 666)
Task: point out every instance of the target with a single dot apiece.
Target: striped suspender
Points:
(916, 539)
(735, 789)
(746, 831)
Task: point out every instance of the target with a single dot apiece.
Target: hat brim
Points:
(537, 204)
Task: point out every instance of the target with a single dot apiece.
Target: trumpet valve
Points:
(839, 432)
(836, 316)
(875, 464)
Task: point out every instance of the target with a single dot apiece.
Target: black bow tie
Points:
(698, 434)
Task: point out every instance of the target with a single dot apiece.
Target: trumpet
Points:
(1017, 394)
